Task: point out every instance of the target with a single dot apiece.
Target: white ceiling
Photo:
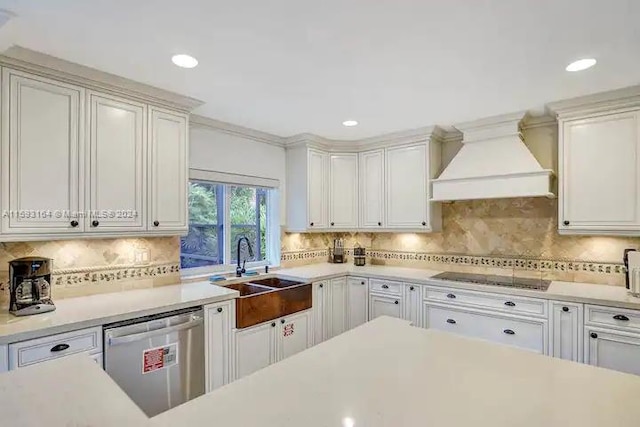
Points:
(293, 66)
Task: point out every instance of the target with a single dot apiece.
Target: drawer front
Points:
(385, 286)
(618, 318)
(484, 300)
(522, 333)
(27, 353)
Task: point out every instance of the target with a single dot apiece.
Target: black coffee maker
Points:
(30, 279)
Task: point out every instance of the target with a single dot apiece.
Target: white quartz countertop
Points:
(387, 373)
(95, 310)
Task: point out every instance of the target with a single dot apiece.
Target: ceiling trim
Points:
(619, 99)
(196, 121)
(49, 66)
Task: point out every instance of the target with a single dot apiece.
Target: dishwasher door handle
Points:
(164, 331)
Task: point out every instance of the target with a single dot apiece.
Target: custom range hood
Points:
(493, 163)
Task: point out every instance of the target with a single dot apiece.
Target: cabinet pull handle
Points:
(621, 317)
(451, 296)
(321, 285)
(362, 283)
(424, 223)
(379, 224)
(396, 302)
(95, 223)
(74, 223)
(510, 304)
(509, 332)
(219, 309)
(451, 321)
(282, 321)
(565, 309)
(59, 347)
(411, 288)
(273, 325)
(332, 224)
(385, 286)
(593, 335)
(311, 224)
(156, 223)
(566, 222)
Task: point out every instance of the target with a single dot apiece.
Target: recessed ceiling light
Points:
(184, 61)
(350, 123)
(581, 64)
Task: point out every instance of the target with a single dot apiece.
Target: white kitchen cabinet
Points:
(337, 320)
(612, 349)
(42, 163)
(295, 334)
(566, 331)
(343, 191)
(372, 189)
(218, 324)
(307, 189)
(168, 165)
(319, 306)
(407, 171)
(412, 305)
(4, 358)
(599, 163)
(318, 190)
(357, 301)
(116, 164)
(255, 348)
(385, 305)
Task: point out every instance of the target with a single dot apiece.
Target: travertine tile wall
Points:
(507, 229)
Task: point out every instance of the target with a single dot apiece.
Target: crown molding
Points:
(44, 65)
(196, 121)
(619, 99)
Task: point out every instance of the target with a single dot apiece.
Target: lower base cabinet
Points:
(337, 320)
(412, 306)
(4, 358)
(612, 349)
(259, 346)
(566, 332)
(385, 305)
(219, 320)
(357, 301)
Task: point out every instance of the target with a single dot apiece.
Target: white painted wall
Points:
(218, 151)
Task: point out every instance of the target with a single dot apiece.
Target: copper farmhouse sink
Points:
(267, 299)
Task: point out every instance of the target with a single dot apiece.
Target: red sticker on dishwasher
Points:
(159, 358)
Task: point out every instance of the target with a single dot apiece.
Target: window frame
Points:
(272, 225)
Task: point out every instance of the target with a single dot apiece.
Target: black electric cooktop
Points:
(486, 279)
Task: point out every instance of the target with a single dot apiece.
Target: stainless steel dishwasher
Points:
(157, 360)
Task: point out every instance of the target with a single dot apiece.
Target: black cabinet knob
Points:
(396, 302)
(451, 321)
(321, 285)
(565, 309)
(566, 222)
(411, 288)
(510, 304)
(593, 335)
(156, 223)
(621, 317)
(74, 223)
(424, 223)
(273, 325)
(451, 296)
(509, 332)
(59, 347)
(362, 283)
(95, 223)
(385, 286)
(379, 224)
(311, 224)
(332, 224)
(282, 321)
(219, 309)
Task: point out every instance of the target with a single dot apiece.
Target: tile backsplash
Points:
(504, 236)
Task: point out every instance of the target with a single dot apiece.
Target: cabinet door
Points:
(255, 348)
(613, 350)
(358, 310)
(343, 191)
(371, 167)
(412, 304)
(406, 171)
(42, 139)
(384, 305)
(317, 190)
(4, 358)
(319, 304)
(116, 167)
(217, 333)
(295, 333)
(168, 171)
(599, 175)
(566, 331)
(338, 322)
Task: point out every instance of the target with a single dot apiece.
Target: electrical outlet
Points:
(141, 256)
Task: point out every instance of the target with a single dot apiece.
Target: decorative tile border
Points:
(512, 263)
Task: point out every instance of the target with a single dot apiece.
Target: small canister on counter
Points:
(359, 256)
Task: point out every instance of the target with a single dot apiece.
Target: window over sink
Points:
(219, 215)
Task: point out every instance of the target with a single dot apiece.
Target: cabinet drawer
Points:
(27, 353)
(517, 332)
(618, 318)
(485, 300)
(385, 286)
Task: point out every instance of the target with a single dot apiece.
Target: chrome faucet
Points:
(239, 269)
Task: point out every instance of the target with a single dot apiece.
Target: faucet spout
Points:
(240, 269)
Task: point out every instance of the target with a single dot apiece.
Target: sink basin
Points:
(274, 282)
(247, 289)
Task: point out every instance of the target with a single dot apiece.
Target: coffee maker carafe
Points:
(30, 279)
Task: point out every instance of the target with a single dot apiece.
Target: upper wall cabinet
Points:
(599, 166)
(317, 189)
(78, 162)
(372, 191)
(343, 191)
